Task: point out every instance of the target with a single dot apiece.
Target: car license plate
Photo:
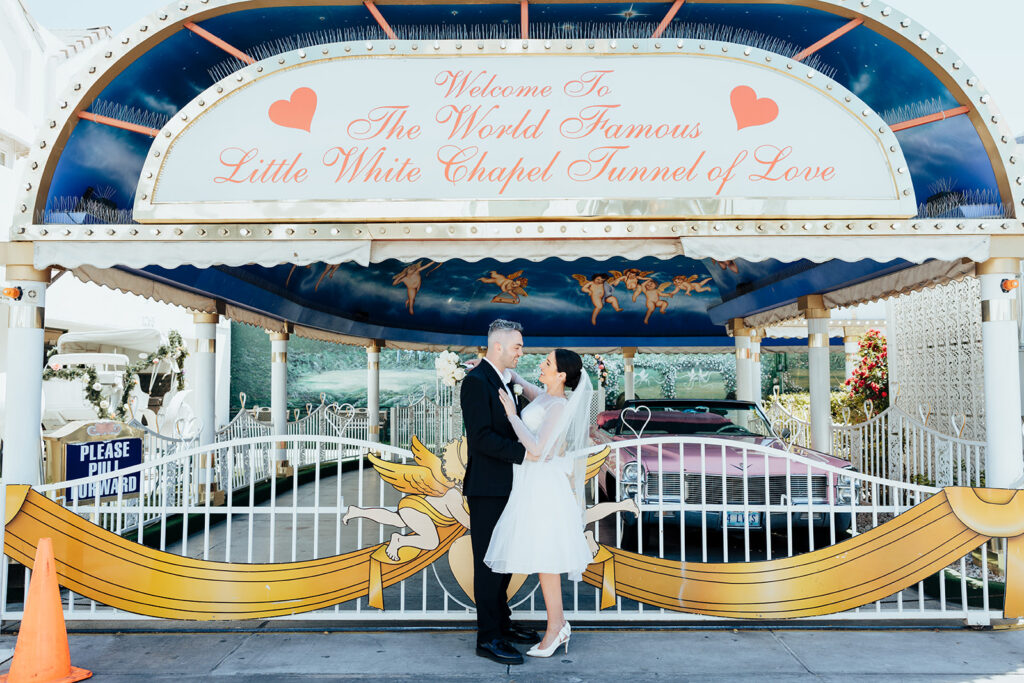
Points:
(739, 519)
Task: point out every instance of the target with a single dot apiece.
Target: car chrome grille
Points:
(667, 484)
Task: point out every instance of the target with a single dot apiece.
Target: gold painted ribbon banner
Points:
(102, 566)
(853, 573)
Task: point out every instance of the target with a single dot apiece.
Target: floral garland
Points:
(173, 350)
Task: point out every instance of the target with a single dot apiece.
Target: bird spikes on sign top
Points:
(580, 30)
(121, 112)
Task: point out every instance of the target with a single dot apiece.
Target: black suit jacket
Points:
(492, 446)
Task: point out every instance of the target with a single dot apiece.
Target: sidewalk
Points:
(594, 655)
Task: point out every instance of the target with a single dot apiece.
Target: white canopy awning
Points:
(142, 340)
(821, 248)
(268, 253)
(74, 254)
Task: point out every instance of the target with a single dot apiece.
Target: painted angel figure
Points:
(435, 496)
(631, 277)
(653, 292)
(411, 276)
(601, 288)
(689, 285)
(512, 286)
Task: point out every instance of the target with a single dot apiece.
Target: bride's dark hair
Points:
(571, 364)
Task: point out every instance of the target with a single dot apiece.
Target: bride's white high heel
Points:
(561, 639)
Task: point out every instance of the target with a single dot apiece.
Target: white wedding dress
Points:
(541, 528)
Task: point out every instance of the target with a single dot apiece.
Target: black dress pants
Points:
(489, 588)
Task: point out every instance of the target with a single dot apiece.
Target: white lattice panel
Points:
(935, 363)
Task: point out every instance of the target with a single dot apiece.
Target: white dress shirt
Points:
(506, 376)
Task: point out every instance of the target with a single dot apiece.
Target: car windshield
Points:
(694, 418)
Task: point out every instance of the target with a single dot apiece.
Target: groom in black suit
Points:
(492, 449)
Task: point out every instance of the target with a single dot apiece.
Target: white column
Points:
(373, 389)
(851, 346)
(817, 316)
(628, 352)
(222, 412)
(1004, 467)
(206, 374)
(22, 443)
(741, 338)
(755, 364)
(279, 398)
(206, 401)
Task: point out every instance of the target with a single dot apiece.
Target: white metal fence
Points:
(156, 445)
(699, 500)
(895, 445)
(433, 422)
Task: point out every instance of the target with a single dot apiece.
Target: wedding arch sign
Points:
(348, 134)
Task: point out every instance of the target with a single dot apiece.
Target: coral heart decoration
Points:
(749, 110)
(296, 112)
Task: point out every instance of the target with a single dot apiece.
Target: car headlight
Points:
(847, 489)
(631, 473)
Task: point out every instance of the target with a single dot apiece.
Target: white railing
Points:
(896, 445)
(243, 425)
(324, 420)
(794, 430)
(698, 508)
(433, 422)
(156, 445)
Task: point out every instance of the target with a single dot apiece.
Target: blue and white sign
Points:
(101, 457)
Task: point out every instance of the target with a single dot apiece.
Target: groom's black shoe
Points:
(520, 634)
(500, 650)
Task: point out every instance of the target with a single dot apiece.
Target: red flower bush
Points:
(870, 380)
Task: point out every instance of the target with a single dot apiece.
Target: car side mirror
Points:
(786, 433)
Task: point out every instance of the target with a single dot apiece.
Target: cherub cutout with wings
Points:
(433, 488)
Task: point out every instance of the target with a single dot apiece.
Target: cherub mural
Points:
(512, 286)
(631, 277)
(601, 288)
(653, 292)
(412, 277)
(689, 285)
(434, 497)
(329, 270)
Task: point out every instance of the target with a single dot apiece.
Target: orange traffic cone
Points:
(41, 654)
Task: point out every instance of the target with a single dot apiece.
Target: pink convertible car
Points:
(712, 474)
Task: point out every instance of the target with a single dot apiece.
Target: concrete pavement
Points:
(598, 655)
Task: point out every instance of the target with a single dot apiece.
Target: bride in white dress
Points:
(541, 529)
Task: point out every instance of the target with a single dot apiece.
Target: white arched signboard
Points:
(409, 136)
